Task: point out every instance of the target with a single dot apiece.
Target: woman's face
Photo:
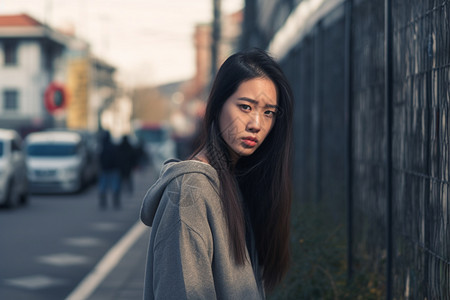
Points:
(248, 116)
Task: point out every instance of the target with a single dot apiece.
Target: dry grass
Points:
(319, 266)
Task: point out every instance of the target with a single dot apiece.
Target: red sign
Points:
(55, 97)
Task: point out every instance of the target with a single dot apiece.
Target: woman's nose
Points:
(254, 123)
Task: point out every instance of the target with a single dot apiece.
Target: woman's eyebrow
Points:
(248, 100)
(271, 106)
(256, 102)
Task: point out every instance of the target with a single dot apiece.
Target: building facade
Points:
(31, 56)
(34, 57)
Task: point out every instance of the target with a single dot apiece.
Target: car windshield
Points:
(1, 148)
(65, 149)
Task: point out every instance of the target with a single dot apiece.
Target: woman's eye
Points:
(245, 107)
(270, 113)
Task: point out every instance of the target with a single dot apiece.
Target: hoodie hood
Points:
(171, 169)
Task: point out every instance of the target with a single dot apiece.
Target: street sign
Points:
(55, 97)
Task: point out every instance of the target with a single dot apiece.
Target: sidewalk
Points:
(126, 280)
(124, 269)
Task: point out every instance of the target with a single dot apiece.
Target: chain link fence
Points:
(342, 135)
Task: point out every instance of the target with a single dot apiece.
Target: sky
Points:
(149, 41)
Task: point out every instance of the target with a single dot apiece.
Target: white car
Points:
(56, 162)
(13, 172)
(90, 142)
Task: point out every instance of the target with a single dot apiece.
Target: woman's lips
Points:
(250, 141)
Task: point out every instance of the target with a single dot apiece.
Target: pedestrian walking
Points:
(142, 159)
(220, 220)
(109, 181)
(127, 161)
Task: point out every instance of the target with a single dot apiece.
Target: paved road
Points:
(49, 246)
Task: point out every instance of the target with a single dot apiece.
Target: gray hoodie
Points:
(189, 255)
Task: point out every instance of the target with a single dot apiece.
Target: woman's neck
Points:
(201, 156)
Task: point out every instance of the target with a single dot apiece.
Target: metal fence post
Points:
(348, 98)
(317, 111)
(389, 118)
(430, 127)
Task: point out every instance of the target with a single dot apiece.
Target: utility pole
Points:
(215, 37)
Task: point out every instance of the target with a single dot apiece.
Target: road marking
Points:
(88, 285)
(63, 259)
(34, 282)
(105, 226)
(83, 241)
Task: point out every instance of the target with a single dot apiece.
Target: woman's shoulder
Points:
(176, 166)
(192, 187)
(190, 181)
(182, 184)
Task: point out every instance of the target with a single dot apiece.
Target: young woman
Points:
(220, 221)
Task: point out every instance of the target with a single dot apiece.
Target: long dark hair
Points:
(264, 178)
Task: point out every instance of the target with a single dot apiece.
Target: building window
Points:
(10, 100)
(10, 53)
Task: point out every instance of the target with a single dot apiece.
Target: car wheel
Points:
(12, 195)
(84, 182)
(78, 186)
(24, 198)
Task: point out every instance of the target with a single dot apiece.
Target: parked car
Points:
(90, 140)
(56, 161)
(13, 171)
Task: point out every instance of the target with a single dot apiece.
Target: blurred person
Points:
(143, 159)
(109, 181)
(127, 161)
(220, 220)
